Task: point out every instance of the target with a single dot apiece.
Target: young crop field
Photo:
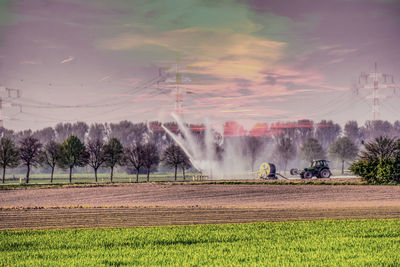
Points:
(321, 243)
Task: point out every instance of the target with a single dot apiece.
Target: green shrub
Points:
(379, 162)
(367, 170)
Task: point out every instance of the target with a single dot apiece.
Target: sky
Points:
(244, 60)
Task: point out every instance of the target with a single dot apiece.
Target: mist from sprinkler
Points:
(232, 163)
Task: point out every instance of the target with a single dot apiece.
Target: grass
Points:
(304, 243)
(89, 178)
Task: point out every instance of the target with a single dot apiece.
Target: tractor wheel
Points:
(308, 175)
(293, 171)
(325, 173)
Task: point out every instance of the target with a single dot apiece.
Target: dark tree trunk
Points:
(176, 169)
(95, 174)
(183, 172)
(111, 174)
(342, 166)
(27, 173)
(137, 175)
(148, 175)
(4, 174)
(70, 175)
(52, 174)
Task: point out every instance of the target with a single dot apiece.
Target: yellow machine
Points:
(267, 171)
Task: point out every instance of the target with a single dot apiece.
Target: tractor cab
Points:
(319, 163)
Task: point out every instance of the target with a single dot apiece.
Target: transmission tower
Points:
(174, 81)
(6, 95)
(178, 92)
(376, 86)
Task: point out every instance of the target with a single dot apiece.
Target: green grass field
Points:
(304, 243)
(89, 178)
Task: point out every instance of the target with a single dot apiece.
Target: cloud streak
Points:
(69, 59)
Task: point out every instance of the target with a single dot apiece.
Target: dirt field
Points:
(164, 204)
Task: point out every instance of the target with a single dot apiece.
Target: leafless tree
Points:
(63, 131)
(79, 129)
(45, 135)
(174, 157)
(150, 157)
(254, 146)
(30, 149)
(6, 132)
(50, 156)
(352, 131)
(97, 131)
(9, 155)
(312, 150)
(134, 156)
(95, 148)
(140, 132)
(285, 150)
(123, 131)
(376, 128)
(19, 136)
(327, 132)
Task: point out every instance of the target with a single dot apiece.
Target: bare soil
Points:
(168, 204)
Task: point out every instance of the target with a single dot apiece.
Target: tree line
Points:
(308, 140)
(42, 148)
(142, 146)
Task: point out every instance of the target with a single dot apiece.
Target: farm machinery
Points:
(268, 171)
(319, 168)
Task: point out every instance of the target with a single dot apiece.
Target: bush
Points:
(367, 170)
(379, 162)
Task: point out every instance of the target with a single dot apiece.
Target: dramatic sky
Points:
(245, 60)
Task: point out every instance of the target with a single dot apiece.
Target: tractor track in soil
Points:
(177, 204)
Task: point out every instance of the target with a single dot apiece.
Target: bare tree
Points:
(352, 131)
(327, 132)
(185, 164)
(63, 131)
(9, 155)
(123, 131)
(30, 149)
(174, 157)
(95, 149)
(134, 156)
(254, 146)
(285, 150)
(6, 132)
(139, 132)
(50, 156)
(45, 135)
(157, 135)
(312, 150)
(79, 129)
(376, 128)
(150, 157)
(97, 131)
(113, 155)
(304, 130)
(19, 136)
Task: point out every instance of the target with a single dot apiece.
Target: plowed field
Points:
(167, 204)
